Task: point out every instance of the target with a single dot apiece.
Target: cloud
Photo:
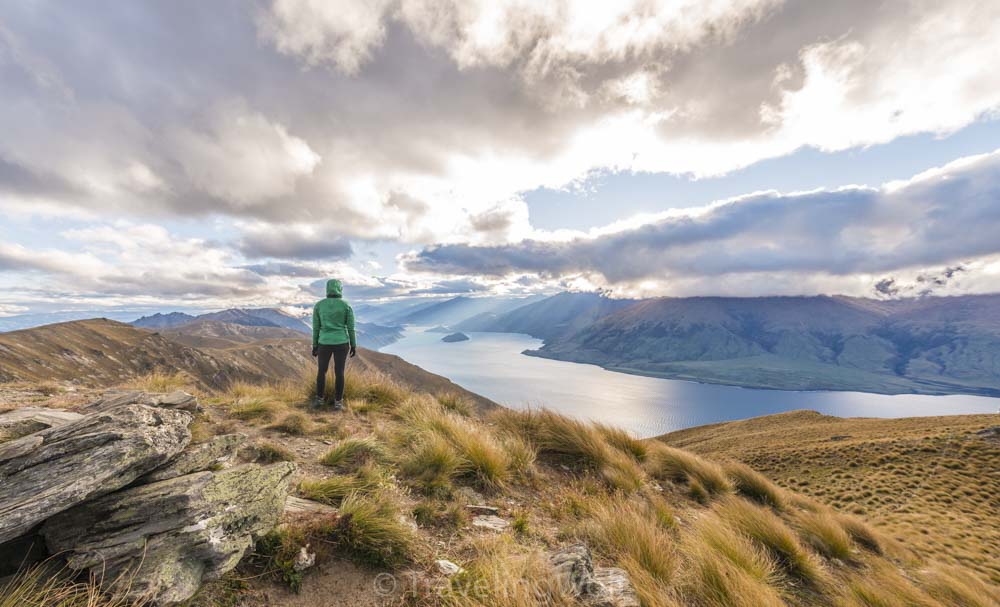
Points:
(939, 217)
(296, 241)
(425, 122)
(452, 287)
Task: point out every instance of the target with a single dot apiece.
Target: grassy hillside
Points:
(930, 482)
(401, 469)
(927, 345)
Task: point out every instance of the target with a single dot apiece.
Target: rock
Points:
(990, 434)
(168, 536)
(50, 471)
(220, 451)
(177, 399)
(596, 587)
(480, 509)
(489, 521)
(447, 567)
(28, 420)
(298, 506)
(304, 559)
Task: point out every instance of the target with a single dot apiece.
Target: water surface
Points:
(491, 364)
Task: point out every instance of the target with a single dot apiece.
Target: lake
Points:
(491, 364)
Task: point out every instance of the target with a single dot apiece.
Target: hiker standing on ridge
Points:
(333, 335)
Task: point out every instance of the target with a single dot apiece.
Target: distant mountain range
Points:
(934, 345)
(207, 325)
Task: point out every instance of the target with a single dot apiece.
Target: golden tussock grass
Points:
(39, 586)
(684, 466)
(754, 485)
(954, 587)
(159, 381)
(354, 451)
(770, 532)
(825, 533)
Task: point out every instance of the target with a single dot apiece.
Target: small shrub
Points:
(269, 453)
(354, 451)
(754, 485)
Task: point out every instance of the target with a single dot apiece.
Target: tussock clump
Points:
(39, 586)
(370, 528)
(294, 423)
(432, 462)
(954, 587)
(456, 403)
(159, 381)
(269, 453)
(247, 409)
(503, 575)
(578, 442)
(632, 532)
(623, 441)
(883, 586)
(683, 466)
(769, 531)
(376, 390)
(713, 581)
(862, 533)
(824, 533)
(754, 485)
(353, 452)
(334, 489)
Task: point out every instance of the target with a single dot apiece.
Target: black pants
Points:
(339, 354)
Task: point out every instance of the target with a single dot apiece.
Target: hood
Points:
(334, 288)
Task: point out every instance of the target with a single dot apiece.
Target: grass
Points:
(432, 462)
(955, 587)
(771, 533)
(333, 490)
(684, 466)
(629, 531)
(754, 485)
(370, 529)
(578, 443)
(249, 409)
(294, 424)
(269, 453)
(368, 391)
(824, 532)
(38, 586)
(862, 533)
(353, 452)
(456, 403)
(158, 381)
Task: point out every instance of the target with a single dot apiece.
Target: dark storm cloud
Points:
(934, 219)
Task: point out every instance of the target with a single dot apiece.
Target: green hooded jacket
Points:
(333, 318)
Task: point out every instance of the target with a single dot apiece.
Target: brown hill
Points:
(103, 352)
(930, 481)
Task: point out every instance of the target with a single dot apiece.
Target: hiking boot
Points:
(338, 405)
(316, 403)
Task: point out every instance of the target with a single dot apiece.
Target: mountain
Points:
(457, 309)
(375, 336)
(927, 345)
(101, 352)
(546, 319)
(162, 321)
(36, 319)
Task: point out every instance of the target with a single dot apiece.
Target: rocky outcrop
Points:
(178, 399)
(217, 452)
(50, 471)
(166, 537)
(28, 420)
(595, 587)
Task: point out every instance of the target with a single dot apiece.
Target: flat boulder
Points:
(178, 399)
(218, 452)
(28, 420)
(167, 537)
(52, 470)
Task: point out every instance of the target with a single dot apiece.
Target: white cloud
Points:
(243, 157)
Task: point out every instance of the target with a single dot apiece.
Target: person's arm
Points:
(316, 324)
(350, 327)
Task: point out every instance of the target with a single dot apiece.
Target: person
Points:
(333, 336)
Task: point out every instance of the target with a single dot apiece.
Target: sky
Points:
(202, 155)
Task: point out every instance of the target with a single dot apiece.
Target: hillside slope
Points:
(927, 345)
(930, 481)
(213, 355)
